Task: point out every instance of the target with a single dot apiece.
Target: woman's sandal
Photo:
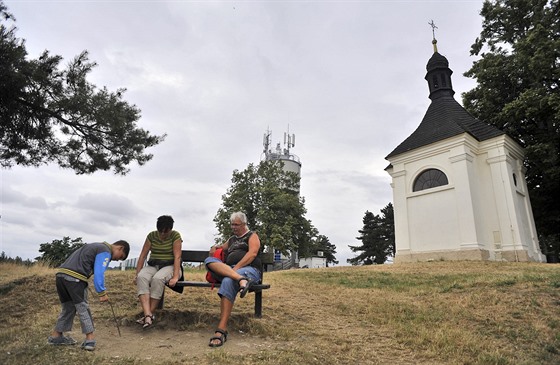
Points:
(143, 319)
(222, 338)
(148, 321)
(243, 290)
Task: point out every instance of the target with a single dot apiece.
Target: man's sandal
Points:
(243, 290)
(222, 338)
(148, 321)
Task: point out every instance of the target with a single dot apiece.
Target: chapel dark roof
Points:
(437, 61)
(445, 117)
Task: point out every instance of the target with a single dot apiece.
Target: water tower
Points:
(291, 164)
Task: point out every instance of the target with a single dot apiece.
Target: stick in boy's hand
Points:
(115, 317)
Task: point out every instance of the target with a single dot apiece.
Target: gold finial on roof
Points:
(434, 41)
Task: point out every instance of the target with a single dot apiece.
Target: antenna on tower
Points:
(266, 140)
(291, 162)
(289, 141)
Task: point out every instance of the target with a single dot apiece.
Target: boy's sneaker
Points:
(61, 340)
(88, 345)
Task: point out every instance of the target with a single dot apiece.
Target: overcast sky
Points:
(346, 77)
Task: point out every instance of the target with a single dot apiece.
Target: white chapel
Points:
(459, 189)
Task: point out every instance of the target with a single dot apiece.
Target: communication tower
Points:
(291, 161)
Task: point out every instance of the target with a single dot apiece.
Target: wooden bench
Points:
(199, 257)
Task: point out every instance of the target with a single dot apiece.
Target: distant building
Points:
(313, 262)
(459, 189)
(129, 264)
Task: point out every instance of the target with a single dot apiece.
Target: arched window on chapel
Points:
(429, 179)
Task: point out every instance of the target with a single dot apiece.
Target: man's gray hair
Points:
(238, 215)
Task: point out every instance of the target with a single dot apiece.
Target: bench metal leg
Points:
(258, 304)
(160, 304)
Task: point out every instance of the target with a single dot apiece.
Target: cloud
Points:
(110, 205)
(11, 195)
(346, 77)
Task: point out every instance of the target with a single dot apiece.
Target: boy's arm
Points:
(101, 263)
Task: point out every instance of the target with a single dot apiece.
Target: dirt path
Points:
(161, 344)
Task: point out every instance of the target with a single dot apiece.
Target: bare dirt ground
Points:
(165, 345)
(178, 334)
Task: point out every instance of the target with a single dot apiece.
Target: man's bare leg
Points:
(225, 312)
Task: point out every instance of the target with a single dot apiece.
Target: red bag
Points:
(220, 254)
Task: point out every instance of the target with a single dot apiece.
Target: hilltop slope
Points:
(425, 313)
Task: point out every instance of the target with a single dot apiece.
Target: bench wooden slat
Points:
(199, 256)
(204, 284)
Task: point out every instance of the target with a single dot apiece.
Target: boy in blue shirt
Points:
(71, 285)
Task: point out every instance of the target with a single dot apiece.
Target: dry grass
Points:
(424, 313)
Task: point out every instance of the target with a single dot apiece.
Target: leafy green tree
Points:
(269, 197)
(518, 91)
(49, 114)
(378, 238)
(55, 252)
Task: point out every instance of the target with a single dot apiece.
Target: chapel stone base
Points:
(463, 255)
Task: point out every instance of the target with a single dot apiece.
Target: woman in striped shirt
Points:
(164, 267)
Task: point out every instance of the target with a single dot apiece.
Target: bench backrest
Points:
(267, 258)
